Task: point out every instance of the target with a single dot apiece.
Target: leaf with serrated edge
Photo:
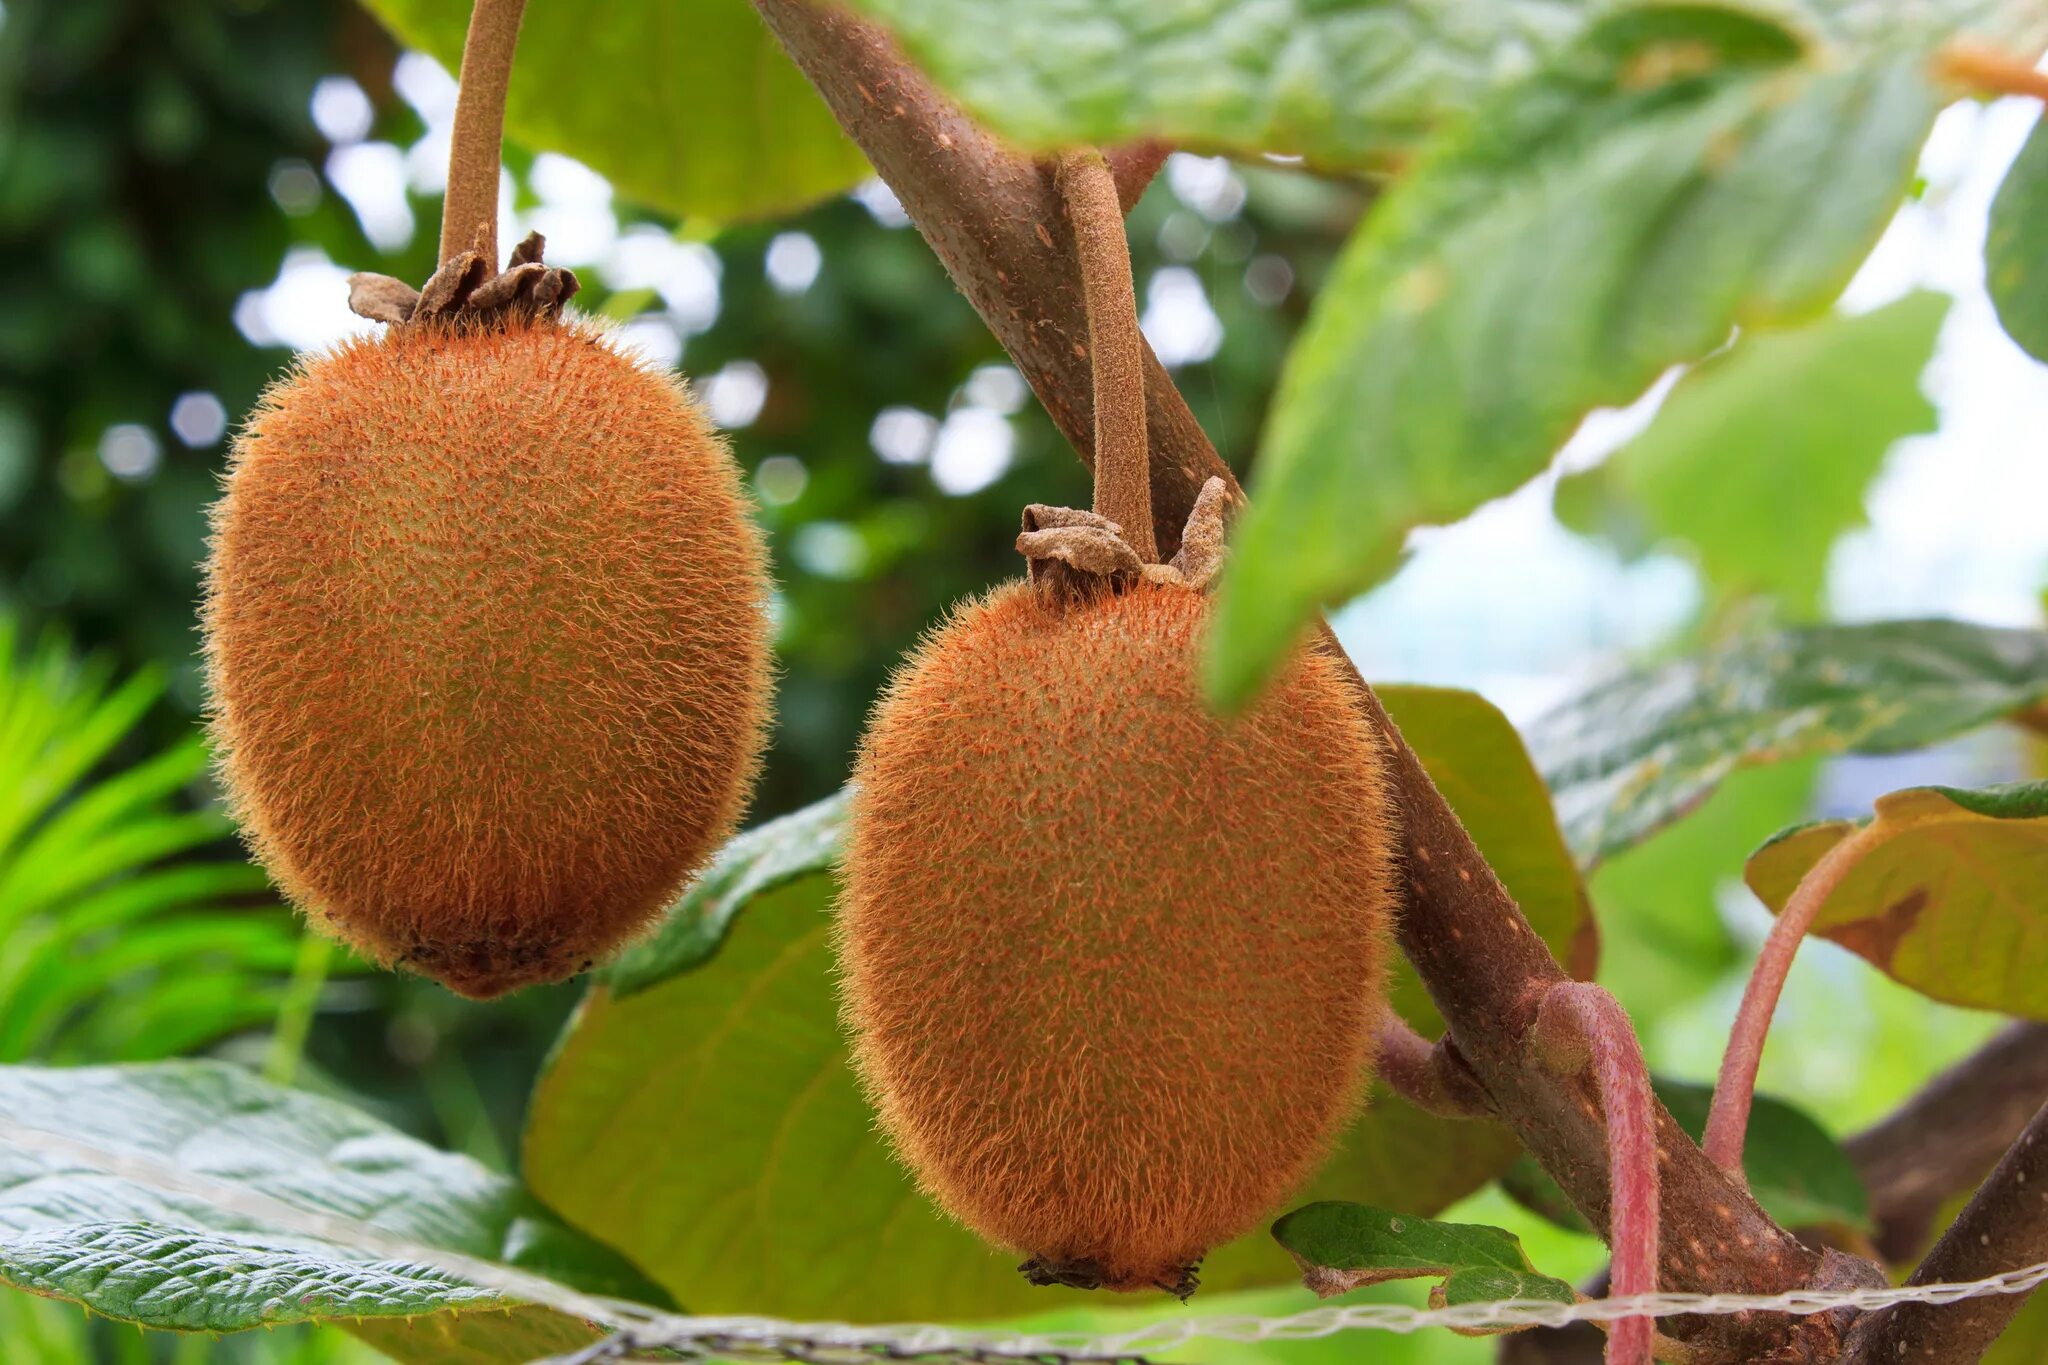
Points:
(1813, 409)
(730, 1034)
(2016, 247)
(1345, 83)
(1951, 898)
(130, 1251)
(1679, 172)
(684, 105)
(1639, 750)
(1345, 1246)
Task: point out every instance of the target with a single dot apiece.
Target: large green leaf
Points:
(1641, 749)
(1759, 458)
(1801, 1176)
(1948, 895)
(1343, 1246)
(1677, 172)
(2016, 247)
(128, 1249)
(685, 105)
(781, 1198)
(1664, 940)
(1345, 83)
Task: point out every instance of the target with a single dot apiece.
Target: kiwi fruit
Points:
(1111, 962)
(485, 633)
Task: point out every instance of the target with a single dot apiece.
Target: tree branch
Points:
(2004, 1227)
(993, 218)
(1945, 1139)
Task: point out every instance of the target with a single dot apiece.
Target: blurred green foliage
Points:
(114, 943)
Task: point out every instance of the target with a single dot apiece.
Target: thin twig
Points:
(1116, 349)
(1579, 1025)
(469, 212)
(1735, 1090)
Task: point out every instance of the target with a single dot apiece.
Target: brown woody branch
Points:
(1945, 1139)
(995, 221)
(2004, 1227)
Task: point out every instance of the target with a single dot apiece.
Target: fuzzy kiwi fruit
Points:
(1112, 962)
(485, 633)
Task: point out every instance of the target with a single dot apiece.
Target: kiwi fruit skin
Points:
(1112, 963)
(486, 638)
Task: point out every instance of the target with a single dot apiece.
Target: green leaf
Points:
(1759, 458)
(1638, 751)
(1664, 941)
(1342, 1246)
(1346, 83)
(1676, 173)
(1801, 1175)
(2016, 247)
(724, 1027)
(1947, 895)
(1477, 761)
(771, 855)
(684, 105)
(517, 1334)
(137, 1253)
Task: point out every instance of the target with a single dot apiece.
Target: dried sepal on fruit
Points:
(1112, 963)
(485, 622)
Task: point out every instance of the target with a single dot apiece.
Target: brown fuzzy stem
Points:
(1116, 349)
(1986, 71)
(469, 212)
(1134, 164)
(1430, 1076)
(2004, 1227)
(994, 219)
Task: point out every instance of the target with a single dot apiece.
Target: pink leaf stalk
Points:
(1581, 1024)
(1728, 1119)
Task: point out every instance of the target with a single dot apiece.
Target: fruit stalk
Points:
(469, 213)
(1728, 1119)
(1116, 348)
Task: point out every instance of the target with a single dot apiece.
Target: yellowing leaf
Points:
(1949, 897)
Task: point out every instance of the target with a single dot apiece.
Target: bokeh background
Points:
(184, 186)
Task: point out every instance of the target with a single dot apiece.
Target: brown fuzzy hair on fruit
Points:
(1112, 963)
(486, 636)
